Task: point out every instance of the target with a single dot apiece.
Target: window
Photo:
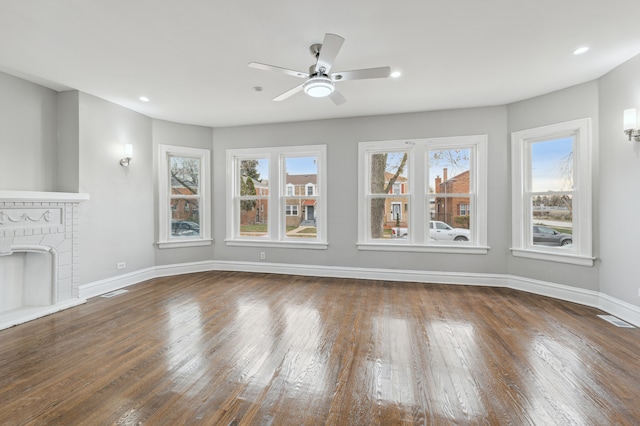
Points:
(184, 218)
(292, 198)
(423, 195)
(310, 189)
(551, 212)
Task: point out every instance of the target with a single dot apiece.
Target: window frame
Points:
(164, 197)
(417, 195)
(522, 223)
(276, 235)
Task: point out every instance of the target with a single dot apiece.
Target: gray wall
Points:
(620, 180)
(569, 104)
(117, 223)
(28, 141)
(342, 137)
(168, 133)
(68, 108)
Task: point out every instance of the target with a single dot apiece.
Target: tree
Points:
(248, 173)
(250, 168)
(247, 187)
(185, 171)
(378, 168)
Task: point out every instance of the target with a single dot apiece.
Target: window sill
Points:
(423, 249)
(554, 256)
(185, 243)
(311, 245)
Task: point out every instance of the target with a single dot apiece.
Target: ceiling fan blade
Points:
(330, 47)
(337, 98)
(382, 72)
(286, 71)
(288, 93)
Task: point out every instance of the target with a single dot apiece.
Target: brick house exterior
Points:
(299, 210)
(452, 210)
(181, 208)
(260, 213)
(396, 205)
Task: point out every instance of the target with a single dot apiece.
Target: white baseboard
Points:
(97, 288)
(619, 308)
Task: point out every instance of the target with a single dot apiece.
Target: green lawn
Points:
(258, 227)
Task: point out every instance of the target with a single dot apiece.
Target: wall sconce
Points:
(630, 120)
(128, 155)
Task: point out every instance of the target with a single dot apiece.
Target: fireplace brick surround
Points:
(47, 223)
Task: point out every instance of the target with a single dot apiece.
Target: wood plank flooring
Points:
(228, 348)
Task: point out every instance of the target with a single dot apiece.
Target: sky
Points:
(552, 165)
(293, 166)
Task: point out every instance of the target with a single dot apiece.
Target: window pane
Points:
(301, 175)
(552, 220)
(450, 220)
(301, 218)
(552, 165)
(185, 218)
(390, 217)
(449, 171)
(387, 170)
(185, 175)
(254, 215)
(253, 177)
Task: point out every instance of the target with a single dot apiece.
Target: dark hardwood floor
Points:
(227, 348)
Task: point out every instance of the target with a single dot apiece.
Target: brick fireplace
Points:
(39, 254)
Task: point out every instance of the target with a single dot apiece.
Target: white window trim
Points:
(418, 240)
(164, 192)
(582, 209)
(276, 236)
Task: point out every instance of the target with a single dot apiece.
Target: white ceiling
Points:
(190, 56)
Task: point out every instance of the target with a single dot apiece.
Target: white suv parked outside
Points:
(438, 231)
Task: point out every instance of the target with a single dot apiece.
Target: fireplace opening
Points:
(27, 279)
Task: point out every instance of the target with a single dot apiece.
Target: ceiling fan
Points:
(319, 81)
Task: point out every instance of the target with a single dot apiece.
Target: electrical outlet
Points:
(263, 256)
(121, 265)
(639, 292)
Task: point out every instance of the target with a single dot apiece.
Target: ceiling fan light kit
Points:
(320, 82)
(318, 87)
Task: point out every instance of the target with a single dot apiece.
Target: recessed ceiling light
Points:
(396, 74)
(581, 50)
(144, 99)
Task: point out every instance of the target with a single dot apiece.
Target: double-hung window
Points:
(551, 192)
(183, 175)
(423, 195)
(290, 208)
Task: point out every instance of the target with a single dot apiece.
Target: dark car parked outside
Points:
(184, 228)
(543, 235)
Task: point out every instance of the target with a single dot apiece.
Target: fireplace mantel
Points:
(35, 196)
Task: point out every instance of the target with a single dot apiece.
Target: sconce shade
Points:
(128, 155)
(630, 119)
